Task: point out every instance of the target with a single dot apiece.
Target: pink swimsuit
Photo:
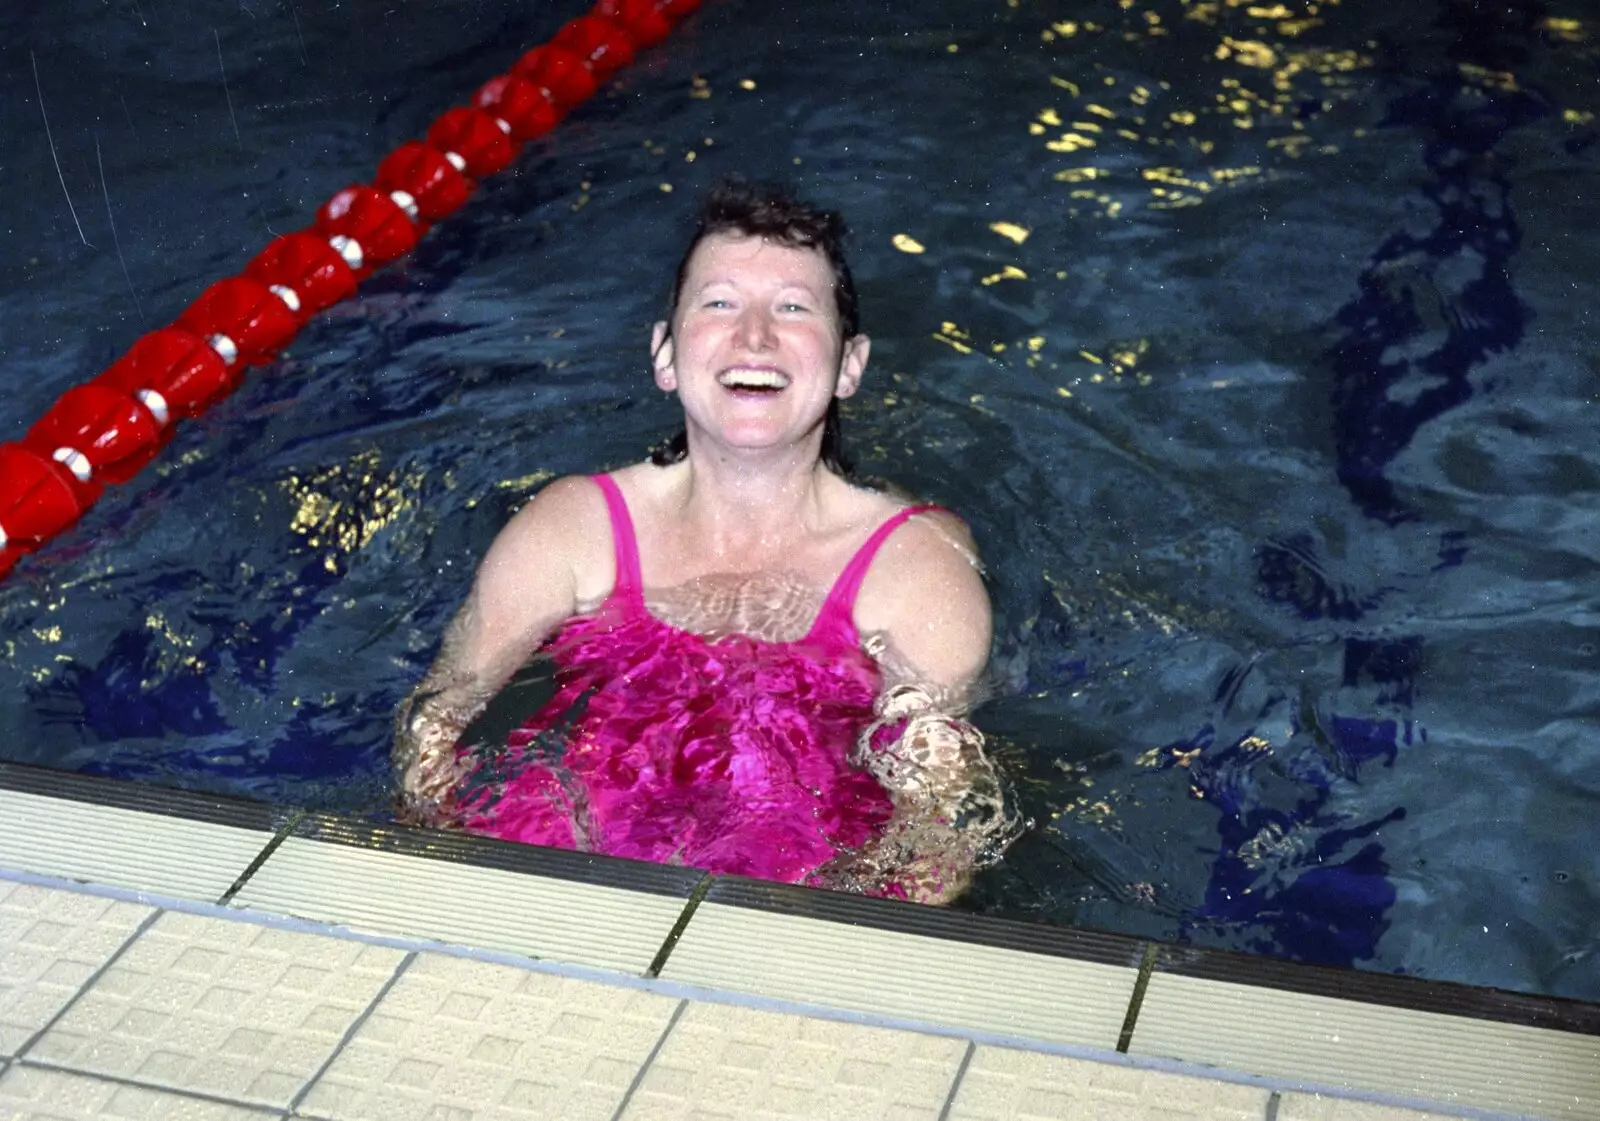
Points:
(727, 754)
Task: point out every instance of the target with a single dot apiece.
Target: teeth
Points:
(752, 379)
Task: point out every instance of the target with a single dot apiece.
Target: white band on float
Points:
(76, 462)
(406, 201)
(154, 402)
(224, 346)
(456, 161)
(348, 248)
(505, 126)
(290, 298)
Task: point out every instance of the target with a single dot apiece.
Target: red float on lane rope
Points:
(41, 497)
(310, 267)
(107, 429)
(427, 176)
(173, 373)
(643, 20)
(526, 108)
(99, 433)
(473, 137)
(368, 227)
(562, 73)
(604, 46)
(244, 320)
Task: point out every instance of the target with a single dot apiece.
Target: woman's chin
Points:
(755, 435)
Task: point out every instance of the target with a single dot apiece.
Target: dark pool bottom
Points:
(1365, 1035)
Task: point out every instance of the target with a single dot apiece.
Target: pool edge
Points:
(804, 919)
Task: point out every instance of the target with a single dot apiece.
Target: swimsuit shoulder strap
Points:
(624, 545)
(840, 604)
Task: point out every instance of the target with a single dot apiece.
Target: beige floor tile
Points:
(51, 942)
(1316, 1107)
(226, 1008)
(1454, 1061)
(1002, 1084)
(48, 1095)
(125, 848)
(491, 1043)
(747, 1065)
(913, 976)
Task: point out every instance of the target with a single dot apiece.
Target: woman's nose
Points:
(756, 329)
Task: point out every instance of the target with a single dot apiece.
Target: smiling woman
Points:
(762, 667)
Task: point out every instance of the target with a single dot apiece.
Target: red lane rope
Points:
(104, 431)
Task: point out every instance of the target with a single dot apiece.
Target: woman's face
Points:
(755, 351)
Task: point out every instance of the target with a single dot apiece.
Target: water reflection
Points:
(1222, 321)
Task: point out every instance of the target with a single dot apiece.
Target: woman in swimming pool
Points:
(761, 667)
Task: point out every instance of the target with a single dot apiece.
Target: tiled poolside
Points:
(179, 956)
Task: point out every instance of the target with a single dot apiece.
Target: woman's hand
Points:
(426, 763)
(950, 814)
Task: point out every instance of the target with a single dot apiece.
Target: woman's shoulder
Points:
(567, 499)
(564, 527)
(931, 527)
(924, 591)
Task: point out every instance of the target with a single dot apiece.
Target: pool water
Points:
(1253, 339)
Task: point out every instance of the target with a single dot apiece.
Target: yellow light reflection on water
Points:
(1010, 272)
(1566, 30)
(1011, 230)
(343, 507)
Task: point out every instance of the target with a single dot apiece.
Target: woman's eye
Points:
(792, 307)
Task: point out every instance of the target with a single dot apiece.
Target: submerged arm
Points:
(471, 667)
(950, 814)
(525, 587)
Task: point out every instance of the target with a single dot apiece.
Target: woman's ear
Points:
(666, 373)
(852, 364)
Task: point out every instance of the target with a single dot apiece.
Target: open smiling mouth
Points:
(753, 380)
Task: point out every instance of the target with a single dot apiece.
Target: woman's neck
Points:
(754, 506)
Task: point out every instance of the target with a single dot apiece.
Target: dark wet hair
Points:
(766, 210)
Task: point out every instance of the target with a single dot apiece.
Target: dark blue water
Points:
(1269, 398)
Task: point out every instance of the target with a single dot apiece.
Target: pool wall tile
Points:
(141, 851)
(1005, 1084)
(217, 1007)
(726, 1061)
(445, 900)
(491, 1040)
(51, 943)
(1370, 1048)
(32, 1094)
(916, 977)
(1318, 1107)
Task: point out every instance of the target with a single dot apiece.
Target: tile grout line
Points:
(295, 1102)
(90, 981)
(692, 904)
(282, 835)
(1147, 966)
(644, 1067)
(955, 1084)
(134, 1083)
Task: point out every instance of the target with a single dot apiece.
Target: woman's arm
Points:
(925, 597)
(527, 585)
(924, 594)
